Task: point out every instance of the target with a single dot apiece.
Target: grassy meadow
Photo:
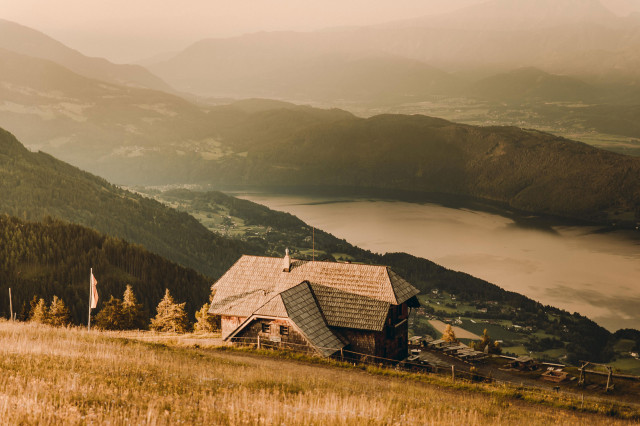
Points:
(71, 376)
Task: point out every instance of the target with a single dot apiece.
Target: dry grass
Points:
(71, 376)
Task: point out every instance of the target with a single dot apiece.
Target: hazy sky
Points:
(129, 30)
(125, 30)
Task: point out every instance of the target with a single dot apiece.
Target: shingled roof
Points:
(252, 281)
(299, 305)
(348, 310)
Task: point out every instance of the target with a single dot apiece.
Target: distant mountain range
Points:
(78, 118)
(142, 136)
(526, 85)
(573, 37)
(24, 40)
(263, 144)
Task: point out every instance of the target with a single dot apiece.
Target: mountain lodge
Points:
(322, 307)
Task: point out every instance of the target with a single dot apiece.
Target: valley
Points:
(485, 151)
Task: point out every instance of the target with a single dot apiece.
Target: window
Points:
(284, 330)
(265, 328)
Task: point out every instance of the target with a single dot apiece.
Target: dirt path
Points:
(461, 333)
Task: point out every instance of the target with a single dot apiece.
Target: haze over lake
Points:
(574, 268)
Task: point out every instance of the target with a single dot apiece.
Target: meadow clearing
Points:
(72, 376)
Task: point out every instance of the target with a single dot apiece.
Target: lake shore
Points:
(586, 269)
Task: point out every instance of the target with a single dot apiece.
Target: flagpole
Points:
(90, 297)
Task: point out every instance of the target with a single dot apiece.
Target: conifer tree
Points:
(449, 335)
(59, 315)
(206, 323)
(110, 316)
(40, 312)
(133, 315)
(171, 315)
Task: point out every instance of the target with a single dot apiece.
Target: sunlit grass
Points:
(72, 376)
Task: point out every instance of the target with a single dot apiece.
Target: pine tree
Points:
(171, 315)
(110, 316)
(40, 312)
(133, 315)
(206, 323)
(59, 315)
(449, 335)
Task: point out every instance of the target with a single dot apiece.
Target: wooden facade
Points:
(276, 333)
(392, 342)
(228, 324)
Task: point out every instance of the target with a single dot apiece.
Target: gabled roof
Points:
(299, 305)
(252, 281)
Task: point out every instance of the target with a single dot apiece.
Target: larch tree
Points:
(133, 314)
(449, 335)
(205, 322)
(110, 316)
(171, 316)
(59, 315)
(40, 312)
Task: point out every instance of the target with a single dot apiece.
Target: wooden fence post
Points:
(10, 306)
(609, 379)
(258, 341)
(453, 373)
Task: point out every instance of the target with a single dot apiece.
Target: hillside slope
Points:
(35, 185)
(53, 258)
(51, 108)
(134, 382)
(522, 169)
(531, 84)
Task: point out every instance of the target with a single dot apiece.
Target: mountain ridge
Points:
(27, 41)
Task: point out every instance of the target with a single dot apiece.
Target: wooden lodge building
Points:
(323, 307)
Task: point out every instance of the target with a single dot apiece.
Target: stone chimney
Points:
(286, 262)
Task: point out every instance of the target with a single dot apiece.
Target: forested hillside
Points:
(524, 169)
(54, 258)
(36, 185)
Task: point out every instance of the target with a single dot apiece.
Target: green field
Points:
(627, 365)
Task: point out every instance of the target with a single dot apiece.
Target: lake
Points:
(571, 267)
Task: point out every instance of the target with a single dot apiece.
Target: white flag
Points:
(94, 292)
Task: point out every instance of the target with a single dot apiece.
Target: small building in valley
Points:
(322, 307)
